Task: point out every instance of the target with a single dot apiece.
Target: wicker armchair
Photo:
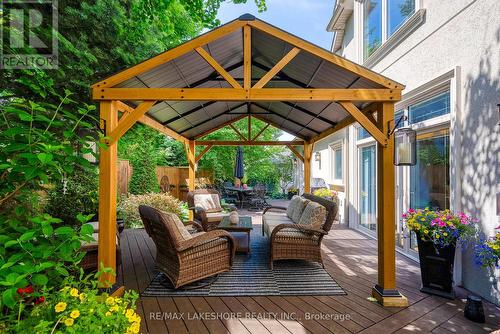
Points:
(208, 210)
(290, 240)
(182, 257)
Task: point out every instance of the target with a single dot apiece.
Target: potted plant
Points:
(325, 193)
(487, 252)
(292, 192)
(437, 235)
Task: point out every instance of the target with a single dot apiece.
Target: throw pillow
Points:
(292, 205)
(299, 208)
(314, 214)
(209, 202)
(177, 224)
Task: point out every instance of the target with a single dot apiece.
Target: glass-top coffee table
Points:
(244, 226)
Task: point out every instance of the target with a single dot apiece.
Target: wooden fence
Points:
(176, 177)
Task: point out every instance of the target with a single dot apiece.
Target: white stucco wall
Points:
(463, 34)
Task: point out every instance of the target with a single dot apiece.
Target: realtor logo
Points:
(28, 34)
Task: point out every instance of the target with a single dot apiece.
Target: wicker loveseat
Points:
(182, 257)
(296, 232)
(207, 207)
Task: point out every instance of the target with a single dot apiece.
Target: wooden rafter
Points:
(202, 153)
(365, 122)
(129, 119)
(237, 131)
(261, 131)
(148, 121)
(170, 54)
(248, 142)
(220, 126)
(276, 125)
(276, 68)
(261, 94)
(212, 62)
(297, 153)
(247, 57)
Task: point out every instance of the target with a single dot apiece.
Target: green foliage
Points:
(143, 178)
(79, 307)
(38, 253)
(39, 145)
(128, 208)
(77, 193)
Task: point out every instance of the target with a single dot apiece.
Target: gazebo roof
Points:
(312, 67)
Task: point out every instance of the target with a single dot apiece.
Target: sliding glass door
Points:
(367, 188)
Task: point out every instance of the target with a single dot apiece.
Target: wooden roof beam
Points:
(248, 142)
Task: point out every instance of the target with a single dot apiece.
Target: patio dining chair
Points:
(182, 257)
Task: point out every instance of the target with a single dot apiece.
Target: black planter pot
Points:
(436, 268)
(290, 195)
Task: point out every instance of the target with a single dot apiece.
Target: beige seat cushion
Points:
(216, 216)
(314, 214)
(299, 208)
(209, 202)
(271, 221)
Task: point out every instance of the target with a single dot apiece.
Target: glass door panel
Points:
(430, 177)
(367, 188)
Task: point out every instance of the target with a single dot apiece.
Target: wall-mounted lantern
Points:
(405, 147)
(317, 157)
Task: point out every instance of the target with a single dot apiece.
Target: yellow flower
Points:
(422, 219)
(74, 314)
(426, 231)
(108, 314)
(134, 328)
(69, 322)
(73, 292)
(114, 308)
(130, 313)
(82, 296)
(437, 236)
(445, 234)
(110, 301)
(61, 306)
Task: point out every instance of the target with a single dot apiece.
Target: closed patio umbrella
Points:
(239, 171)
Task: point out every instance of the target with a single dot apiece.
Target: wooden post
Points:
(192, 163)
(307, 166)
(107, 195)
(385, 291)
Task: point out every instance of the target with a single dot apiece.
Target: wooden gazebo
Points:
(249, 68)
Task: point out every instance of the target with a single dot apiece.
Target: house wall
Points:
(461, 37)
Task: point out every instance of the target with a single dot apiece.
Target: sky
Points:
(305, 18)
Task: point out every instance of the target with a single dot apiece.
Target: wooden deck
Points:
(350, 258)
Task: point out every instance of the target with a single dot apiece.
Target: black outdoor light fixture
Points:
(405, 145)
(317, 157)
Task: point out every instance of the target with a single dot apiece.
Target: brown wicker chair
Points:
(90, 260)
(185, 258)
(208, 210)
(294, 241)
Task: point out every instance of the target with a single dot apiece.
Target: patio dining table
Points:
(242, 192)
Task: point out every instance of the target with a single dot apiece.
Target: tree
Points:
(143, 178)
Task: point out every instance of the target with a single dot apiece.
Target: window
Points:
(372, 26)
(362, 133)
(398, 11)
(338, 164)
(367, 188)
(433, 107)
(381, 19)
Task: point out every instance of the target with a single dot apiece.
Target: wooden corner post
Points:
(190, 151)
(385, 291)
(308, 146)
(107, 194)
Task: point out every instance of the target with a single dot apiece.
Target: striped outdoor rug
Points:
(251, 276)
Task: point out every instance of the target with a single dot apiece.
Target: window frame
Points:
(336, 146)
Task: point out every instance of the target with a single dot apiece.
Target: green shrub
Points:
(144, 179)
(128, 208)
(38, 253)
(78, 193)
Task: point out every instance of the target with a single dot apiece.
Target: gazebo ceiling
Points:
(306, 70)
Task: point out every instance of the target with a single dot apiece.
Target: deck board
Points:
(351, 259)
